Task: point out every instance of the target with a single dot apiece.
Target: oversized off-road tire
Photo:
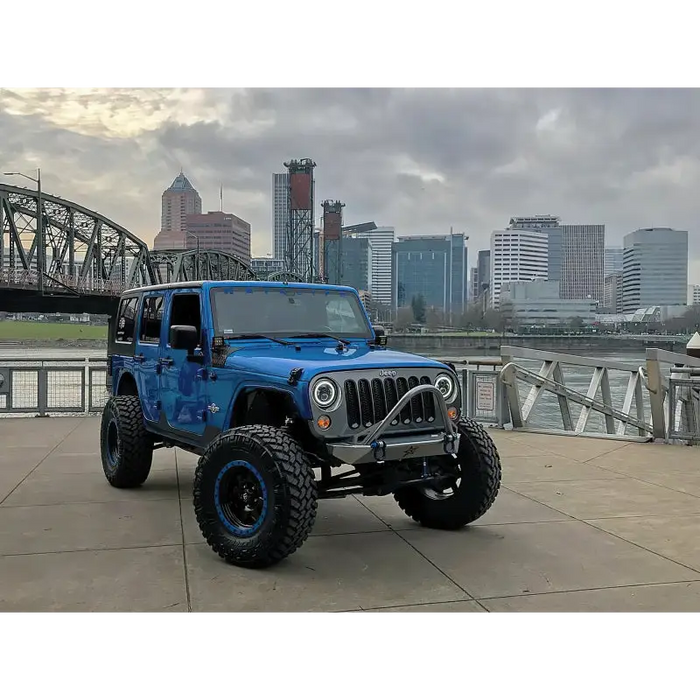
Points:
(125, 444)
(255, 496)
(478, 466)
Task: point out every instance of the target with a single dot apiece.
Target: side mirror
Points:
(379, 335)
(183, 338)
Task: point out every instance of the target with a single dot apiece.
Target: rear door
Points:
(147, 354)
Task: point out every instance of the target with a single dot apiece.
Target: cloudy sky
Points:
(419, 160)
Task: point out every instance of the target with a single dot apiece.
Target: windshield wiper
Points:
(342, 341)
(254, 336)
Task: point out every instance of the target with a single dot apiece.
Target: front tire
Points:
(255, 496)
(474, 490)
(126, 446)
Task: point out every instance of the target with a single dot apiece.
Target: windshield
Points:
(287, 311)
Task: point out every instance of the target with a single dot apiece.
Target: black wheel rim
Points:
(447, 466)
(241, 498)
(112, 444)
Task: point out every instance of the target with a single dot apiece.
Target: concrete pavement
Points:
(580, 525)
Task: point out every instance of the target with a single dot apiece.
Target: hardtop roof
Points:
(208, 284)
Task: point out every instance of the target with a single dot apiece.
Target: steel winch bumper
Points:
(376, 448)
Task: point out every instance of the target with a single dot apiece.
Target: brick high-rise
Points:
(218, 230)
(178, 201)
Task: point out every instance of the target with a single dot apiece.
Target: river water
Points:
(37, 353)
(546, 415)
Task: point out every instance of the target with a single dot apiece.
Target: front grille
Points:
(367, 402)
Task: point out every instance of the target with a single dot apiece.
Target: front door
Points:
(183, 389)
(147, 355)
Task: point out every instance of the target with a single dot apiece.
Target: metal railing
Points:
(622, 400)
(674, 397)
(47, 386)
(523, 390)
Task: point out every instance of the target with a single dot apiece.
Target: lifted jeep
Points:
(270, 383)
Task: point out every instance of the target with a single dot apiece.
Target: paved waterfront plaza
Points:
(581, 524)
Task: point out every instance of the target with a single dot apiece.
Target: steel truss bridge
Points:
(88, 259)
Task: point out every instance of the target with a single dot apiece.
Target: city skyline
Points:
(418, 160)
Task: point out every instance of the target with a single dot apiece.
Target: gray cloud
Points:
(421, 160)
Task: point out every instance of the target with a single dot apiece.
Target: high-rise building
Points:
(177, 203)
(217, 230)
(655, 268)
(583, 261)
(381, 239)
(575, 259)
(473, 283)
(555, 254)
(280, 214)
(356, 269)
(483, 271)
(459, 292)
(434, 267)
(264, 267)
(612, 295)
(613, 260)
(517, 255)
(550, 224)
(122, 268)
(693, 294)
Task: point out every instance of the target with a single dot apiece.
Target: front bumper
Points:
(374, 447)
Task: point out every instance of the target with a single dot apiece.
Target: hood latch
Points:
(295, 375)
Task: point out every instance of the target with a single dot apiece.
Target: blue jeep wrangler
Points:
(270, 383)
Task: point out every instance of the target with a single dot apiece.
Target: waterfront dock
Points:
(581, 524)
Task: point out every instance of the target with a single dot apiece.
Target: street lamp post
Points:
(41, 246)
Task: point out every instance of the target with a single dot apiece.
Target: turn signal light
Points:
(323, 422)
(452, 413)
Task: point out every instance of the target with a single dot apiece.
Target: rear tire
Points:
(255, 496)
(126, 445)
(479, 469)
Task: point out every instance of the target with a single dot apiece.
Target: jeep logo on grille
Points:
(387, 372)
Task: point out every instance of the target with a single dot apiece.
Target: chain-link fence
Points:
(52, 386)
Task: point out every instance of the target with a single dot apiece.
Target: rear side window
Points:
(151, 320)
(185, 311)
(126, 320)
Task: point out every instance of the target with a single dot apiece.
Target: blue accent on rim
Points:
(241, 531)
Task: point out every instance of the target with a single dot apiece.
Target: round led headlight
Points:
(324, 393)
(446, 386)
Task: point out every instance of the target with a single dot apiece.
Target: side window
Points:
(151, 320)
(184, 311)
(126, 320)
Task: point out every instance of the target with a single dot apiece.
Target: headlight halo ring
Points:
(450, 395)
(333, 395)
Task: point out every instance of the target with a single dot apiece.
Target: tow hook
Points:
(379, 450)
(449, 445)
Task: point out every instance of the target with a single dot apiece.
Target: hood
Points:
(264, 357)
